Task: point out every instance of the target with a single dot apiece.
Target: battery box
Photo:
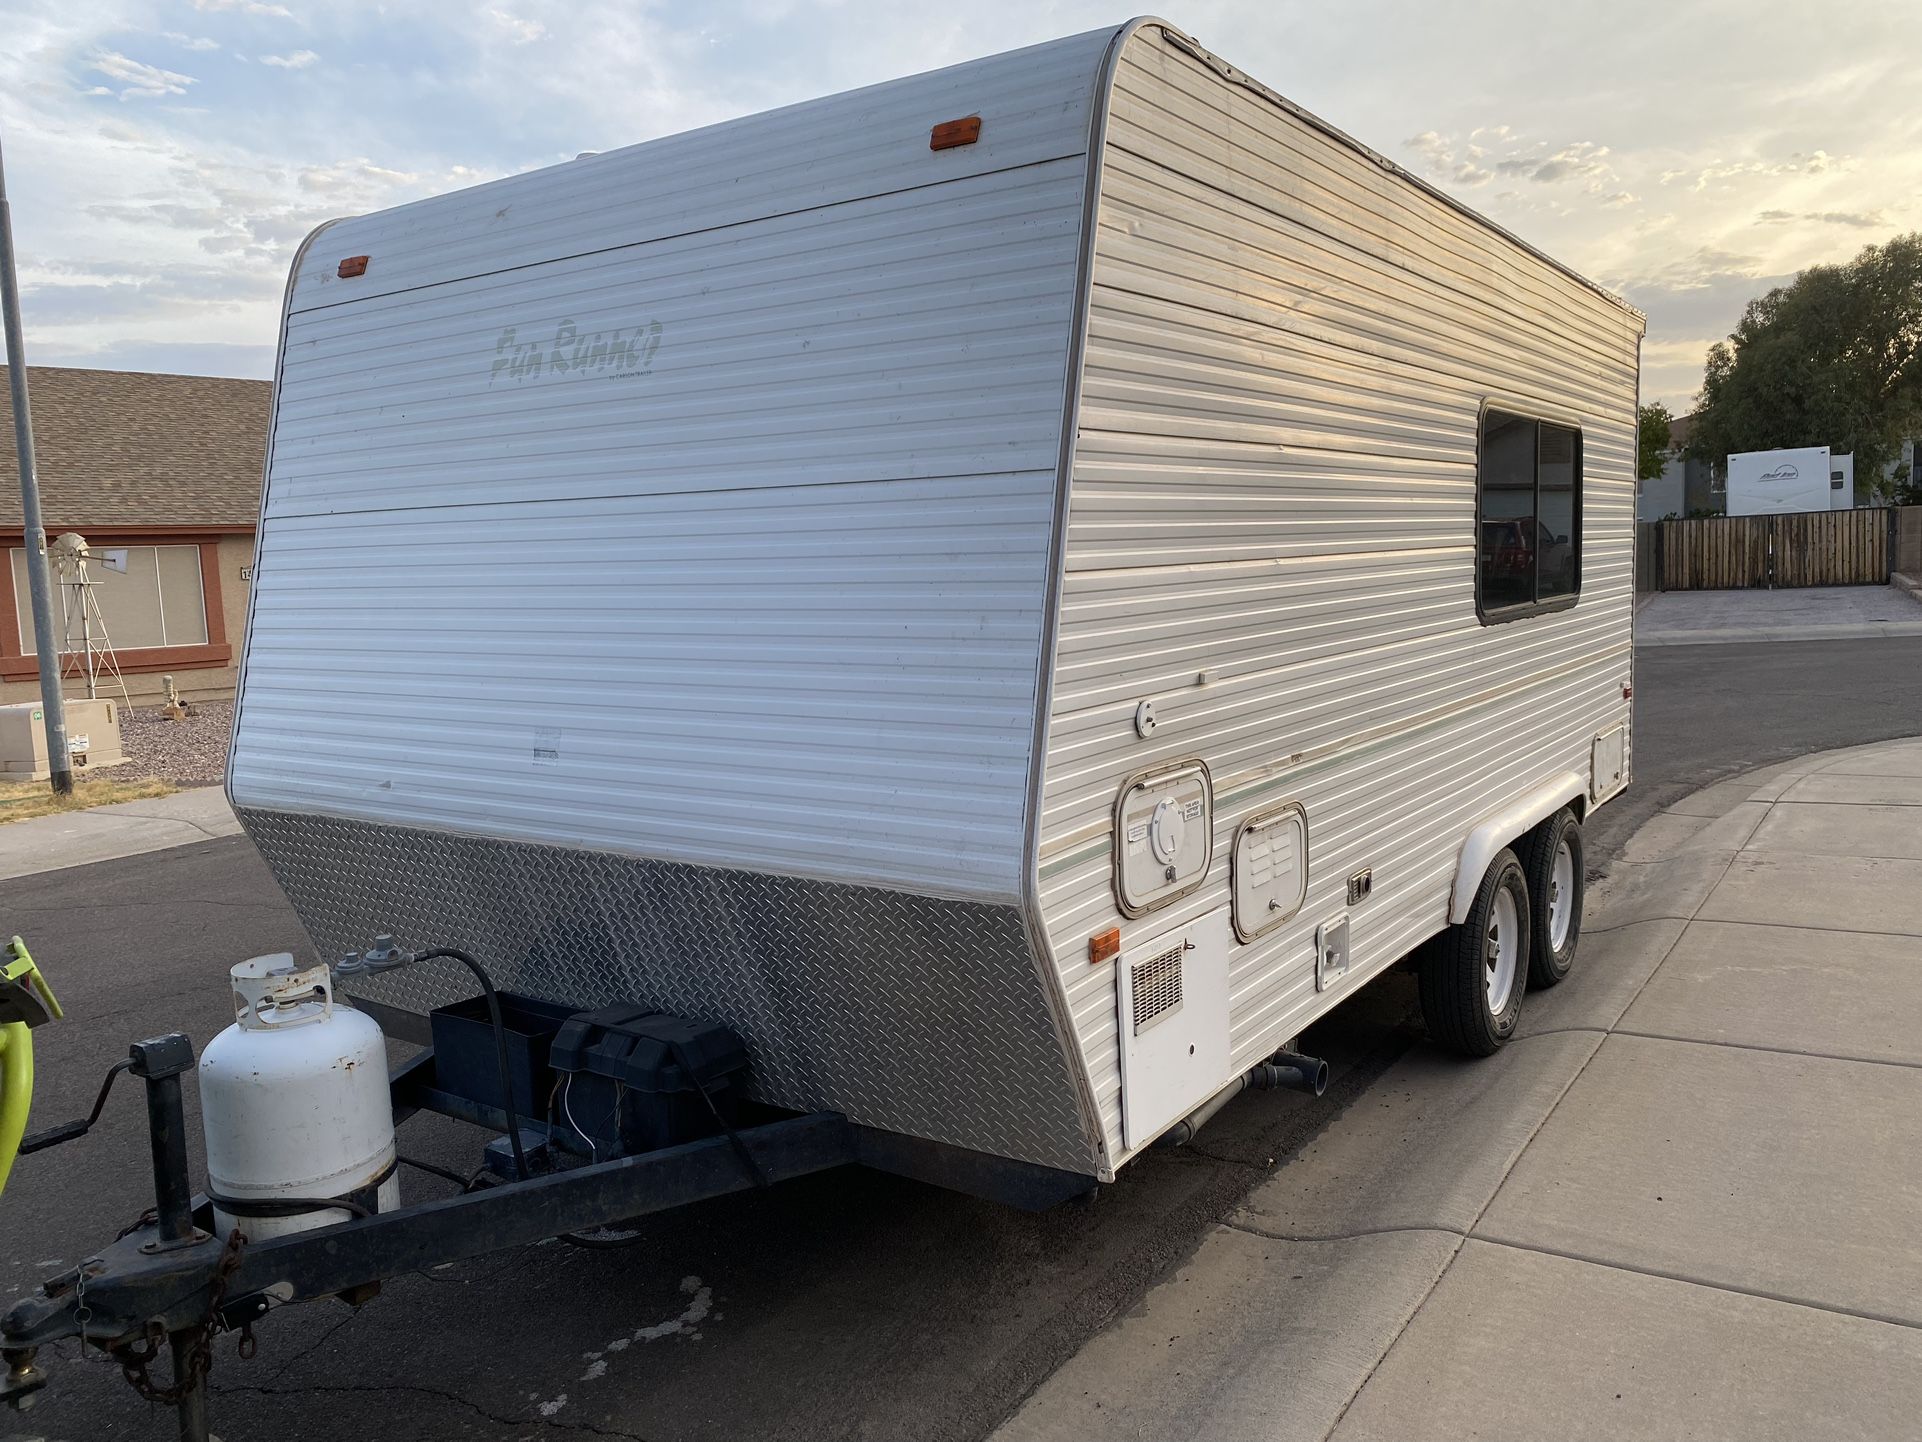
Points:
(631, 1078)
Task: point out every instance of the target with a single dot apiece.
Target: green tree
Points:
(1654, 428)
(1832, 359)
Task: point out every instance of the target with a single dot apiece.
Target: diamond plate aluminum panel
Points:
(908, 1013)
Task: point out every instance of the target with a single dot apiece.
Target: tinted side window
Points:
(1558, 475)
(1528, 484)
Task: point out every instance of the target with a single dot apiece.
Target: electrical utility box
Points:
(93, 738)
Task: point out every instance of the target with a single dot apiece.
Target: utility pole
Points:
(52, 705)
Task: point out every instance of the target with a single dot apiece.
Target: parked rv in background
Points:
(1842, 483)
(1808, 478)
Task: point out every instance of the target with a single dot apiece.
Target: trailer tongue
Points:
(171, 1279)
(659, 1125)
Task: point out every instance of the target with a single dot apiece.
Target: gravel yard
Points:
(188, 753)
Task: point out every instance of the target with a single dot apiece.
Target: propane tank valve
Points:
(385, 955)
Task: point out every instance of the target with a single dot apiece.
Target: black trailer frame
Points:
(170, 1279)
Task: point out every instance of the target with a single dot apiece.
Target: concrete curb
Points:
(1863, 632)
(1718, 801)
(106, 833)
(1673, 860)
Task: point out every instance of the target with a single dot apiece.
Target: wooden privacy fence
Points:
(1810, 548)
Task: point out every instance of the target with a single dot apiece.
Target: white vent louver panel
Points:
(1269, 869)
(1156, 985)
(1173, 996)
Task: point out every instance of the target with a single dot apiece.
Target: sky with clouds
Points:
(165, 157)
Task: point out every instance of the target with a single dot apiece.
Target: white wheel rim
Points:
(1501, 946)
(1561, 896)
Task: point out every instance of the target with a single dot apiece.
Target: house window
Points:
(158, 600)
(1528, 489)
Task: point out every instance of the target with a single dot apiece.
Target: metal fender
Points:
(1495, 832)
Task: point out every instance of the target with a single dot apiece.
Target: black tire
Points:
(1455, 968)
(1548, 963)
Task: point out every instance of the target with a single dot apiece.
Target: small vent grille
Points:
(1157, 987)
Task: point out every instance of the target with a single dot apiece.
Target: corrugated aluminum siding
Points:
(1274, 485)
(692, 501)
(874, 141)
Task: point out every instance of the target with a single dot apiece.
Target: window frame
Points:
(214, 653)
(1521, 610)
(23, 622)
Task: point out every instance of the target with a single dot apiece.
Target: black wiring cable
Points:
(581, 1239)
(609, 1244)
(433, 1170)
(507, 1083)
(500, 1046)
(740, 1142)
(494, 1018)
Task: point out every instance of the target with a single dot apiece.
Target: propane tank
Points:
(294, 1100)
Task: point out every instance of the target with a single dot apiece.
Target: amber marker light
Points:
(950, 133)
(352, 266)
(1104, 944)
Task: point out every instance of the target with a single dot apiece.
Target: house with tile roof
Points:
(161, 474)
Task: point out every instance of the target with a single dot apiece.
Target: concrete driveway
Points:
(1683, 1203)
(1809, 613)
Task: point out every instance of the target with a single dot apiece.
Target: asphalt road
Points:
(845, 1305)
(1705, 713)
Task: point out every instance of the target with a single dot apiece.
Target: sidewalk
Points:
(127, 828)
(1686, 1201)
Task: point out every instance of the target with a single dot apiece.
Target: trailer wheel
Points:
(1552, 857)
(1473, 974)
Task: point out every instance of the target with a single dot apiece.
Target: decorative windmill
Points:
(92, 650)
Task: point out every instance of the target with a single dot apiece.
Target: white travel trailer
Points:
(1770, 483)
(1841, 482)
(1016, 590)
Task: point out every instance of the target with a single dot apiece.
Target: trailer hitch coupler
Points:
(24, 1377)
